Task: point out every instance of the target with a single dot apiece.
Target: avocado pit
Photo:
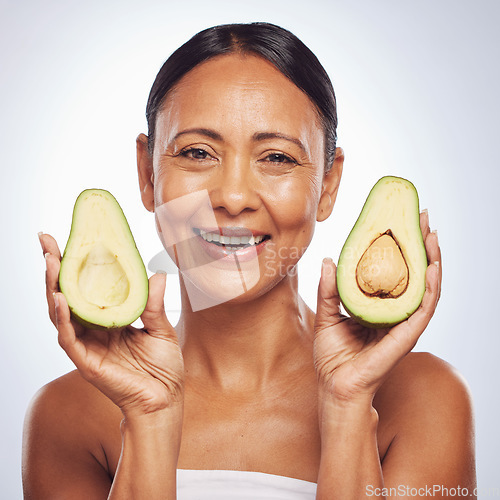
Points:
(382, 270)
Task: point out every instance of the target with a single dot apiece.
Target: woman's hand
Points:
(140, 370)
(351, 360)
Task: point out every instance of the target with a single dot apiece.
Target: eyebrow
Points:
(258, 136)
(262, 136)
(201, 131)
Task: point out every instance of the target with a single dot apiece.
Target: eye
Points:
(279, 158)
(195, 154)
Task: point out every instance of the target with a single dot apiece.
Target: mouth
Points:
(232, 239)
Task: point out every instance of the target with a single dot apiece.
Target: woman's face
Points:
(239, 154)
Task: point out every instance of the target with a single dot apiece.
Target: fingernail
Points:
(46, 255)
(436, 233)
(436, 263)
(40, 240)
(426, 212)
(326, 262)
(161, 271)
(56, 299)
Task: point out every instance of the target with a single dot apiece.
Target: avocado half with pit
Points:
(102, 274)
(381, 268)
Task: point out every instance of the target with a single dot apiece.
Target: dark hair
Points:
(275, 44)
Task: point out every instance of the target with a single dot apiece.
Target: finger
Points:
(154, 318)
(49, 245)
(328, 311)
(424, 223)
(53, 265)
(401, 339)
(68, 340)
(408, 332)
(434, 255)
(431, 244)
(418, 321)
(432, 247)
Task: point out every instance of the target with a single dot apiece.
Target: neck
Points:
(245, 345)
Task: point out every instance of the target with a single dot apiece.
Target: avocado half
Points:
(102, 274)
(381, 268)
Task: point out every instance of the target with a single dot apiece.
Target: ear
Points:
(145, 171)
(331, 181)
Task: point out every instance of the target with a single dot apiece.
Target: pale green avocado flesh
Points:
(102, 275)
(381, 268)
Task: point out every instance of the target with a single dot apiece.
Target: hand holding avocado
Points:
(140, 370)
(354, 354)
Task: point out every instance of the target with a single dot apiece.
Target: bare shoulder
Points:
(426, 419)
(65, 427)
(422, 382)
(70, 383)
(70, 404)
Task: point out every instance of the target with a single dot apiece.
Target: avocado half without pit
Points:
(381, 268)
(102, 274)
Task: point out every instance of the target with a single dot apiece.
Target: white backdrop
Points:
(416, 84)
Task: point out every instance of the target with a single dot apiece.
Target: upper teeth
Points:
(231, 240)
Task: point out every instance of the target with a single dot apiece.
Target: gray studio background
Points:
(416, 84)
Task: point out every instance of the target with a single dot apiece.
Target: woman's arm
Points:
(349, 451)
(148, 462)
(72, 439)
(141, 371)
(427, 409)
(352, 363)
(62, 455)
(433, 445)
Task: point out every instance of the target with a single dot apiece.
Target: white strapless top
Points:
(240, 485)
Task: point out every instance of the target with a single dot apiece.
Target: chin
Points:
(212, 286)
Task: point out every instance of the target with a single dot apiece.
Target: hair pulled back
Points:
(275, 44)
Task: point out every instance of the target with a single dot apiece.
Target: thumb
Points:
(328, 304)
(154, 317)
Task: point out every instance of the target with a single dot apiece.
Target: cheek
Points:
(295, 204)
(293, 210)
(178, 203)
(171, 184)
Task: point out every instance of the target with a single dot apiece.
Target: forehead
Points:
(239, 90)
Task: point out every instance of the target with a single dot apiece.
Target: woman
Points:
(251, 395)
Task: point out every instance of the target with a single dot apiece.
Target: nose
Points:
(235, 187)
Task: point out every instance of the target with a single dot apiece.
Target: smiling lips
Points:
(232, 240)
